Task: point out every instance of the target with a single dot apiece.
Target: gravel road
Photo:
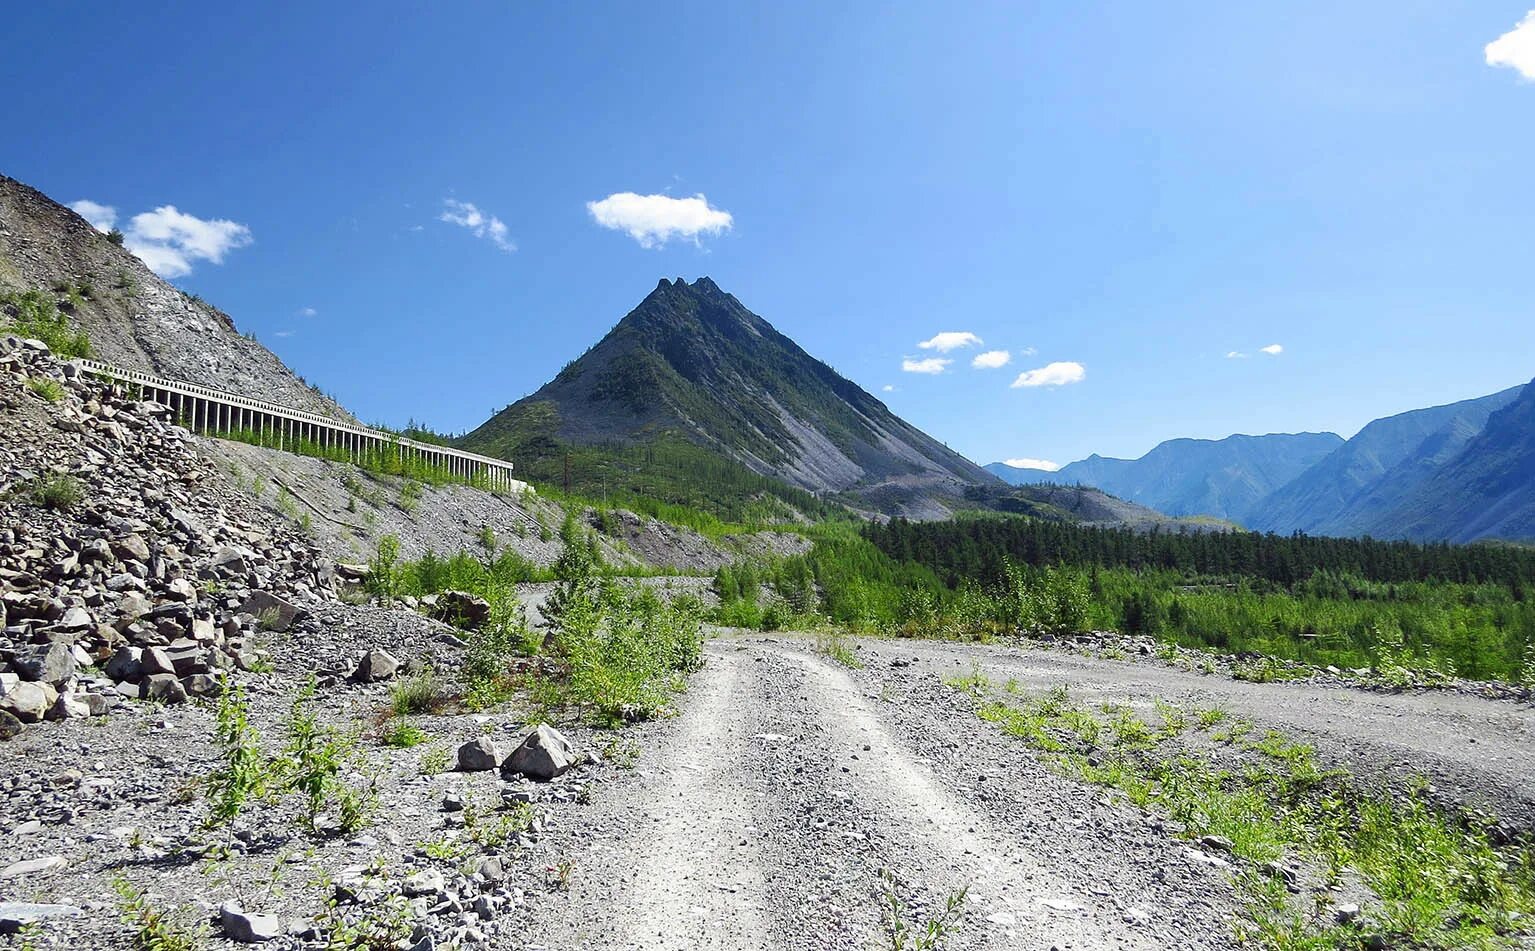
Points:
(765, 814)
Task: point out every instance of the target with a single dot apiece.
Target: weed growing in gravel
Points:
(313, 760)
(57, 493)
(903, 935)
(154, 928)
(834, 644)
(421, 692)
(242, 775)
(1439, 880)
(402, 736)
(434, 761)
(49, 389)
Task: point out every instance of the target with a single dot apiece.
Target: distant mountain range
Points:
(1359, 488)
(1460, 472)
(691, 363)
(1222, 478)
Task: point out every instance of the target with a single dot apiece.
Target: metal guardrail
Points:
(209, 410)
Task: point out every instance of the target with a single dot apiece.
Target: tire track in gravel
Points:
(766, 811)
(1019, 894)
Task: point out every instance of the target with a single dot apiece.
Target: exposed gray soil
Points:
(349, 509)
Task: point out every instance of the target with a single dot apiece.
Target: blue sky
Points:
(1118, 195)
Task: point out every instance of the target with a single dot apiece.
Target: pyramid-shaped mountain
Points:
(691, 362)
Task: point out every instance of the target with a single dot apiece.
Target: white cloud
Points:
(283, 333)
(930, 365)
(169, 241)
(991, 360)
(1235, 355)
(101, 217)
(1028, 351)
(1516, 48)
(481, 225)
(1272, 349)
(950, 340)
(653, 220)
(1052, 374)
(307, 312)
(1026, 463)
(888, 388)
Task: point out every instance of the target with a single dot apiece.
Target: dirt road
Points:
(769, 813)
(764, 816)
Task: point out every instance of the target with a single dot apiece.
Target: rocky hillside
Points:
(189, 712)
(691, 362)
(1351, 490)
(135, 319)
(1221, 478)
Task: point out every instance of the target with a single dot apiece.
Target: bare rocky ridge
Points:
(135, 319)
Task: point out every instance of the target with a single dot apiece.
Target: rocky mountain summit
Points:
(691, 361)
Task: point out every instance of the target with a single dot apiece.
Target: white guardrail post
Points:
(205, 410)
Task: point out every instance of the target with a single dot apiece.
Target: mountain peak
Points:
(692, 361)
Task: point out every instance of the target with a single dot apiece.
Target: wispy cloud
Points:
(1027, 352)
(1516, 48)
(888, 388)
(283, 333)
(991, 360)
(1027, 463)
(1272, 349)
(950, 340)
(1235, 355)
(481, 224)
(307, 312)
(170, 242)
(930, 365)
(1060, 373)
(653, 220)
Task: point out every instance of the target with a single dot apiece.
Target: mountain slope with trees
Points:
(692, 369)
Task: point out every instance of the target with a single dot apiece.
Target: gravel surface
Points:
(1476, 751)
(764, 815)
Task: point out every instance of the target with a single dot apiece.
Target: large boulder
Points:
(51, 663)
(165, 688)
(375, 665)
(462, 609)
(273, 612)
(480, 755)
(29, 701)
(543, 755)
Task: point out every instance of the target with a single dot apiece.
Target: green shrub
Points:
(58, 493)
(422, 692)
(49, 389)
(34, 315)
(403, 736)
(624, 653)
(154, 928)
